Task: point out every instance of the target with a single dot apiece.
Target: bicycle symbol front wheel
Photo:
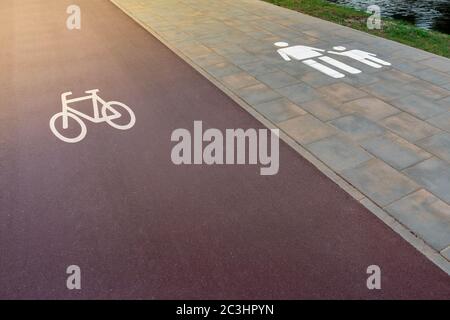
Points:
(120, 112)
(57, 119)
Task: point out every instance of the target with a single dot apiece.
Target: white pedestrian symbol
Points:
(361, 56)
(110, 112)
(305, 54)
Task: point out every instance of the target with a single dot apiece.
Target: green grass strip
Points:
(397, 30)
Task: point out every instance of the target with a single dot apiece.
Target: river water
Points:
(428, 14)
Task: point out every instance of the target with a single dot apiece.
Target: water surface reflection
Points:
(428, 14)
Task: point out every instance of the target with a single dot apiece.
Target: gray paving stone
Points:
(338, 153)
(342, 92)
(437, 63)
(258, 68)
(323, 109)
(239, 80)
(426, 90)
(271, 56)
(307, 129)
(441, 121)
(293, 68)
(277, 79)
(433, 76)
(315, 33)
(409, 127)
(434, 175)
(409, 53)
(371, 108)
(397, 76)
(240, 59)
(210, 59)
(380, 182)
(227, 49)
(395, 151)
(212, 41)
(196, 51)
(386, 90)
(357, 127)
(426, 216)
(305, 39)
(256, 94)
(360, 80)
(409, 66)
(419, 107)
(445, 102)
(280, 110)
(221, 70)
(316, 79)
(260, 34)
(438, 144)
(189, 43)
(174, 34)
(299, 93)
(257, 46)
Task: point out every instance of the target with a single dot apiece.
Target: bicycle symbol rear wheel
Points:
(54, 121)
(112, 106)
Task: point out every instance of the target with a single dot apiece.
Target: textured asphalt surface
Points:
(141, 227)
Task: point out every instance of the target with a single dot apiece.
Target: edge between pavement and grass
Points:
(392, 29)
(418, 243)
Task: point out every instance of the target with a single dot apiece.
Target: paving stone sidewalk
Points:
(386, 131)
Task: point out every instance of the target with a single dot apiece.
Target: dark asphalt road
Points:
(141, 227)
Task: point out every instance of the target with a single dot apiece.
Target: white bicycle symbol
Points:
(68, 112)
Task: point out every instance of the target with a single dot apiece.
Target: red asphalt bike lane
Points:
(139, 226)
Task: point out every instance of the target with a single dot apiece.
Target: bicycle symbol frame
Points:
(100, 115)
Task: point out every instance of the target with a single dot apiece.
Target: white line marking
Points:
(324, 69)
(340, 65)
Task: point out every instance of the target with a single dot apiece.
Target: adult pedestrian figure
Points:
(305, 54)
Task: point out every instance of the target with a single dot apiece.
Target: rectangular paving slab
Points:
(386, 90)
(342, 92)
(257, 93)
(427, 90)
(441, 121)
(426, 215)
(434, 175)
(338, 153)
(434, 76)
(438, 144)
(395, 151)
(420, 107)
(278, 79)
(299, 93)
(371, 108)
(380, 182)
(307, 129)
(239, 80)
(324, 109)
(280, 110)
(409, 127)
(358, 127)
(438, 63)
